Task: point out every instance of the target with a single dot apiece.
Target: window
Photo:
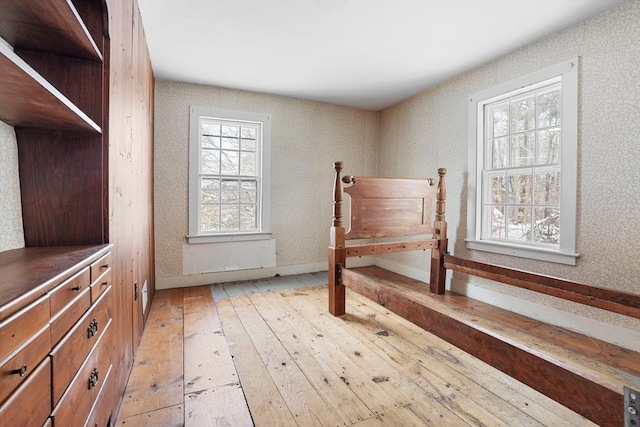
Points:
(523, 166)
(228, 175)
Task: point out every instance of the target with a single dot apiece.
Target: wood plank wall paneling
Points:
(130, 177)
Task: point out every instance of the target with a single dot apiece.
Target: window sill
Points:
(541, 254)
(219, 238)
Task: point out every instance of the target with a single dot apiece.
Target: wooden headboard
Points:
(386, 207)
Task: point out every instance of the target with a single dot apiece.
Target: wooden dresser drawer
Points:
(76, 403)
(18, 366)
(68, 355)
(21, 326)
(64, 319)
(63, 294)
(99, 285)
(103, 406)
(30, 405)
(100, 266)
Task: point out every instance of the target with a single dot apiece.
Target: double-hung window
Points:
(523, 156)
(228, 175)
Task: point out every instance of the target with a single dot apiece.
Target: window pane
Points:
(523, 149)
(248, 164)
(547, 189)
(518, 223)
(519, 188)
(210, 129)
(210, 162)
(546, 226)
(231, 130)
(248, 192)
(230, 191)
(248, 145)
(500, 157)
(230, 217)
(210, 190)
(230, 163)
(499, 120)
(248, 217)
(211, 142)
(497, 183)
(549, 109)
(498, 230)
(249, 132)
(231, 143)
(523, 114)
(548, 146)
(209, 218)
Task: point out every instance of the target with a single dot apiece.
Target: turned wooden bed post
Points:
(438, 272)
(337, 254)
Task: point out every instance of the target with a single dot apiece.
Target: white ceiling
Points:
(362, 53)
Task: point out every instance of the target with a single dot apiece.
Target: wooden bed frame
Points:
(382, 208)
(592, 384)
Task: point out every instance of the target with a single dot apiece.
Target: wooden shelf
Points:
(29, 100)
(51, 25)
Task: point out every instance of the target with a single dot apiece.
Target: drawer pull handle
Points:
(93, 379)
(104, 266)
(92, 330)
(105, 283)
(77, 288)
(22, 371)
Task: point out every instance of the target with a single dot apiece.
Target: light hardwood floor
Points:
(267, 353)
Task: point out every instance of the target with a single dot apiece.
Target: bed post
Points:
(438, 272)
(337, 254)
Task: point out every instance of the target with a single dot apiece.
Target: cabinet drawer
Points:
(21, 326)
(100, 285)
(18, 366)
(64, 320)
(76, 403)
(100, 266)
(101, 411)
(69, 290)
(69, 354)
(30, 405)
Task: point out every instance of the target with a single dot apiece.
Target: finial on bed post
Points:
(438, 272)
(337, 251)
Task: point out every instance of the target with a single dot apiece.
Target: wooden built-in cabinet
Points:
(70, 311)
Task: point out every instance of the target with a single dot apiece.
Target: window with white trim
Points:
(228, 175)
(523, 166)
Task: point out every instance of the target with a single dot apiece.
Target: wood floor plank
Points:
(172, 416)
(387, 388)
(222, 406)
(437, 395)
(263, 397)
(327, 383)
(156, 380)
(207, 360)
(504, 387)
(301, 398)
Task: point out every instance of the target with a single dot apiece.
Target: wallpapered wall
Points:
(11, 232)
(306, 137)
(431, 130)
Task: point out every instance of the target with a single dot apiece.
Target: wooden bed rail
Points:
(615, 301)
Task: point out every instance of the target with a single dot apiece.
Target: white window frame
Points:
(566, 252)
(263, 233)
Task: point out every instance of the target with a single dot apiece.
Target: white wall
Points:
(306, 137)
(431, 130)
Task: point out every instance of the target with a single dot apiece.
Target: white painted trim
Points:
(566, 253)
(195, 113)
